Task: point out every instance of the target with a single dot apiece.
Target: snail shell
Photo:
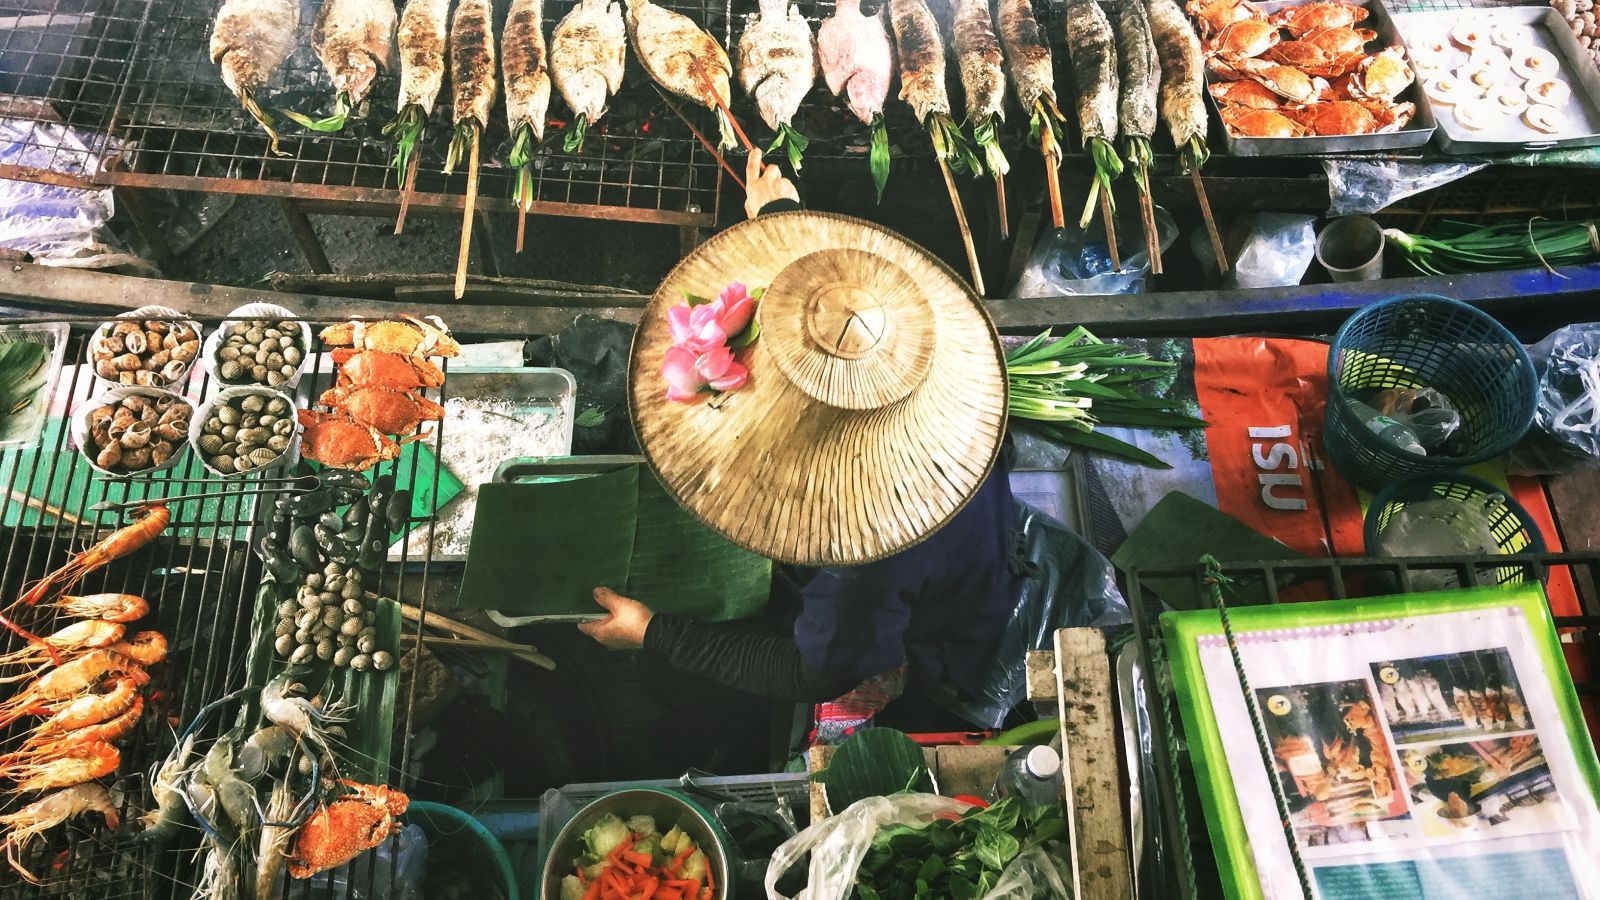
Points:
(136, 402)
(124, 327)
(105, 368)
(156, 325)
(127, 362)
(109, 346)
(173, 431)
(100, 415)
(143, 378)
(135, 342)
(101, 433)
(137, 435)
(160, 452)
(186, 350)
(122, 420)
(158, 359)
(138, 458)
(174, 370)
(109, 455)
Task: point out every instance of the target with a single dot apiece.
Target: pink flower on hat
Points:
(700, 359)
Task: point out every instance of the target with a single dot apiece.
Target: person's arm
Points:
(766, 190)
(756, 664)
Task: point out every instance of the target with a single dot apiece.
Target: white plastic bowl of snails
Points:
(132, 430)
(144, 348)
(245, 429)
(260, 344)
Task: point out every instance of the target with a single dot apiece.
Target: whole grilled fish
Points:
(587, 56)
(920, 52)
(682, 58)
(1138, 70)
(526, 67)
(424, 29)
(472, 83)
(979, 60)
(1027, 54)
(856, 58)
(1093, 50)
(1183, 105)
(250, 40)
(354, 38)
(777, 61)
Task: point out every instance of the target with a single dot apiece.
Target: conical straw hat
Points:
(876, 401)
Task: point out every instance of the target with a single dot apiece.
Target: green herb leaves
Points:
(407, 130)
(880, 154)
(1457, 247)
(959, 858)
(335, 122)
(793, 143)
(572, 141)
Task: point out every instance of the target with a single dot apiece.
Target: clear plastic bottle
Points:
(1388, 430)
(1031, 773)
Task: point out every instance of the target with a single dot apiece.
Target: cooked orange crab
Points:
(1352, 117)
(1215, 15)
(1341, 40)
(1384, 76)
(1245, 122)
(1313, 60)
(388, 410)
(1313, 17)
(1244, 39)
(1245, 93)
(342, 830)
(413, 336)
(339, 442)
(1286, 81)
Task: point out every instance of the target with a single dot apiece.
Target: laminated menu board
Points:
(1429, 746)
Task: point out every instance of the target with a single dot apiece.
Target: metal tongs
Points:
(284, 484)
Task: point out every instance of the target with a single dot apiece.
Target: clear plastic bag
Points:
(837, 845)
(1277, 252)
(1362, 187)
(1066, 583)
(1075, 261)
(1429, 414)
(58, 226)
(1566, 422)
(376, 879)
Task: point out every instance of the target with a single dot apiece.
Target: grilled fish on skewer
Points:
(919, 51)
(1140, 84)
(1033, 81)
(1094, 73)
(586, 62)
(250, 40)
(858, 62)
(424, 29)
(353, 39)
(1183, 106)
(983, 77)
(681, 57)
(777, 66)
(472, 82)
(527, 78)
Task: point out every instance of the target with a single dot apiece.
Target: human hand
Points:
(764, 184)
(624, 625)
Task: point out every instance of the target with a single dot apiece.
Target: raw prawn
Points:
(73, 765)
(120, 543)
(146, 648)
(114, 729)
(47, 812)
(282, 704)
(89, 710)
(86, 635)
(161, 824)
(122, 608)
(69, 680)
(263, 750)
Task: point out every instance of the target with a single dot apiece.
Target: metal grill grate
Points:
(1188, 853)
(200, 578)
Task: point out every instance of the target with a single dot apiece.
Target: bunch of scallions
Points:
(1065, 388)
(1457, 247)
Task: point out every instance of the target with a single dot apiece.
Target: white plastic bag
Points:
(839, 843)
(1277, 252)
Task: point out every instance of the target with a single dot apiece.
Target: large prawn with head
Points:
(119, 543)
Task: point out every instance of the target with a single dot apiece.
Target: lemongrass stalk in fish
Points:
(681, 57)
(353, 39)
(1032, 71)
(983, 78)
(424, 30)
(587, 56)
(777, 66)
(472, 81)
(250, 40)
(1093, 53)
(919, 51)
(526, 68)
(858, 62)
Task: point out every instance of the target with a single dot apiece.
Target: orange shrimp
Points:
(143, 647)
(86, 635)
(113, 729)
(70, 680)
(91, 709)
(120, 543)
(73, 765)
(110, 607)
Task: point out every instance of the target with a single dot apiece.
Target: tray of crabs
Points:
(1324, 76)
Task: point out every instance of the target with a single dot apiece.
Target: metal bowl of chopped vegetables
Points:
(640, 841)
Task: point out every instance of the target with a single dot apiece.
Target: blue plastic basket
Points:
(1426, 341)
(1513, 528)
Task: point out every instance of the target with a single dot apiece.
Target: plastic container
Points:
(21, 428)
(1425, 341)
(196, 424)
(1033, 774)
(86, 447)
(439, 820)
(258, 311)
(1515, 530)
(143, 312)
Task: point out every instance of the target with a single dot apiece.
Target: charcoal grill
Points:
(200, 578)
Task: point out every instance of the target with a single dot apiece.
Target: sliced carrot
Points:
(593, 893)
(684, 884)
(642, 860)
(711, 879)
(679, 860)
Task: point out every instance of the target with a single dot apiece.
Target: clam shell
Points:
(263, 455)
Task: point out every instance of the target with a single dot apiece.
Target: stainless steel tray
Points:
(1582, 109)
(1419, 132)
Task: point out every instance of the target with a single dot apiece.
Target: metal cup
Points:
(1351, 249)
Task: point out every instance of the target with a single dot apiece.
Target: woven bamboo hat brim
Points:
(876, 402)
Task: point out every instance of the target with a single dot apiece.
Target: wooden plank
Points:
(1041, 668)
(968, 770)
(1094, 782)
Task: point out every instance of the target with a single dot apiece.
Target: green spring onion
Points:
(1458, 247)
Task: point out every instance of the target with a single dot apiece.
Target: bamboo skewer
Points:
(1052, 175)
(961, 222)
(1111, 230)
(1000, 201)
(405, 192)
(466, 219)
(1211, 222)
(700, 135)
(522, 222)
(1152, 232)
(413, 613)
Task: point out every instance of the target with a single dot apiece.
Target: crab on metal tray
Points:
(342, 830)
